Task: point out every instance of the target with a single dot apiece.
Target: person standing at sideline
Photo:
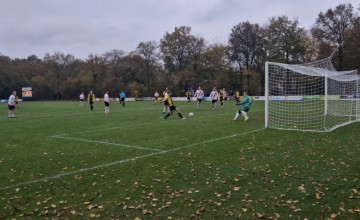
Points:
(237, 96)
(221, 96)
(214, 95)
(11, 105)
(81, 97)
(122, 97)
(107, 103)
(156, 97)
(199, 95)
(17, 101)
(188, 96)
(172, 107)
(246, 104)
(91, 100)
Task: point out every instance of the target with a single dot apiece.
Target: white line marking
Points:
(143, 124)
(124, 161)
(112, 128)
(104, 142)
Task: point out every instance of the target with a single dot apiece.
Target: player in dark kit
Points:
(222, 95)
(188, 96)
(172, 107)
(91, 100)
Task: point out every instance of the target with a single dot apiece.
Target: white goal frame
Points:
(293, 101)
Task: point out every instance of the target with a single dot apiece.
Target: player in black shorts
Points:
(172, 107)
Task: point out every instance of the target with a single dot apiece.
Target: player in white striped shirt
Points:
(214, 96)
(199, 95)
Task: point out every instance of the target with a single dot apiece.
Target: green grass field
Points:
(60, 161)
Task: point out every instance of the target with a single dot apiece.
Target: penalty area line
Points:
(104, 142)
(45, 179)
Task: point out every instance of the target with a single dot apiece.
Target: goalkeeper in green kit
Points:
(245, 107)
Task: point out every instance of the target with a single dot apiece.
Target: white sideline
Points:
(124, 161)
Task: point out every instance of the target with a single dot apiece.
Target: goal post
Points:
(310, 97)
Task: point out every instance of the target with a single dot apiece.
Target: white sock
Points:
(236, 115)
(244, 114)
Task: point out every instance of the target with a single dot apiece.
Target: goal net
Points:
(310, 97)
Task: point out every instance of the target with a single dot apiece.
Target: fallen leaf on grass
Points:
(236, 188)
(302, 188)
(260, 215)
(146, 212)
(332, 216)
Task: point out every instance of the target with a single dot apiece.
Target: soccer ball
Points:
(191, 114)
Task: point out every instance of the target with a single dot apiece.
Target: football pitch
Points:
(59, 160)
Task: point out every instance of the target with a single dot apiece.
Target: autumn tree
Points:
(94, 71)
(113, 62)
(23, 72)
(332, 26)
(351, 48)
(181, 53)
(214, 63)
(58, 68)
(286, 41)
(7, 83)
(197, 48)
(150, 56)
(246, 48)
(175, 47)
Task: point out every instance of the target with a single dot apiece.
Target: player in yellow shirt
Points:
(188, 95)
(237, 96)
(91, 100)
(172, 107)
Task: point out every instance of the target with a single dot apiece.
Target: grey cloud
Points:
(81, 27)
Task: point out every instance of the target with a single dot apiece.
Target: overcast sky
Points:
(84, 27)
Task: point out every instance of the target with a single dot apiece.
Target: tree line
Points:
(182, 60)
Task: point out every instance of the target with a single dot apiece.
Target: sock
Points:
(167, 115)
(180, 115)
(244, 114)
(236, 115)
(91, 107)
